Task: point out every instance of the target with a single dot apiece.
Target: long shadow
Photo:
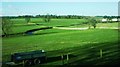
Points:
(93, 59)
(93, 56)
(14, 34)
(23, 34)
(32, 30)
(58, 58)
(92, 53)
(88, 55)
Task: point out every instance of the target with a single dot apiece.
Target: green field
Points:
(83, 46)
(21, 26)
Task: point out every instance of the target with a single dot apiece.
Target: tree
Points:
(27, 19)
(105, 17)
(92, 22)
(88, 22)
(6, 26)
(47, 18)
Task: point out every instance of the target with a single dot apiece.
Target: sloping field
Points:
(57, 42)
(84, 47)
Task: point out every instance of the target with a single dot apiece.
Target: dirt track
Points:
(85, 28)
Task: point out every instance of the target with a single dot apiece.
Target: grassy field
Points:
(83, 46)
(53, 22)
(19, 25)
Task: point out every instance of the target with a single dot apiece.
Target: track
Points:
(85, 28)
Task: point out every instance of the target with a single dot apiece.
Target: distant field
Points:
(83, 45)
(52, 22)
(107, 24)
(21, 26)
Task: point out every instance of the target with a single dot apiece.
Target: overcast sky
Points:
(60, 8)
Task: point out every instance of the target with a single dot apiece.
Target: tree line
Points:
(60, 16)
(50, 16)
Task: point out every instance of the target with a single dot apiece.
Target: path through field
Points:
(85, 28)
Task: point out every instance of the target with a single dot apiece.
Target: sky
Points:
(60, 8)
(60, 0)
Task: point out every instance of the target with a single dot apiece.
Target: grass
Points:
(19, 29)
(58, 40)
(82, 45)
(52, 22)
(21, 26)
(107, 24)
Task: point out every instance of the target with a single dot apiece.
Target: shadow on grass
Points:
(86, 55)
(23, 34)
(58, 58)
(110, 55)
(28, 32)
(90, 55)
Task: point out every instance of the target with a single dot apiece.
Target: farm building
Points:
(104, 20)
(118, 19)
(115, 19)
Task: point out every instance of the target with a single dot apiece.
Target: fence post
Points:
(62, 59)
(23, 63)
(100, 53)
(67, 58)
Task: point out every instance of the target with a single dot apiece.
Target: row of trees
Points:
(62, 16)
(52, 16)
(47, 18)
(111, 17)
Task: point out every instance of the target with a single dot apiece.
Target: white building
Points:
(104, 20)
(118, 19)
(115, 19)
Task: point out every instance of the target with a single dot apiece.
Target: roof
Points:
(32, 52)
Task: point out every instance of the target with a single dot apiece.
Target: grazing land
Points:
(82, 46)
